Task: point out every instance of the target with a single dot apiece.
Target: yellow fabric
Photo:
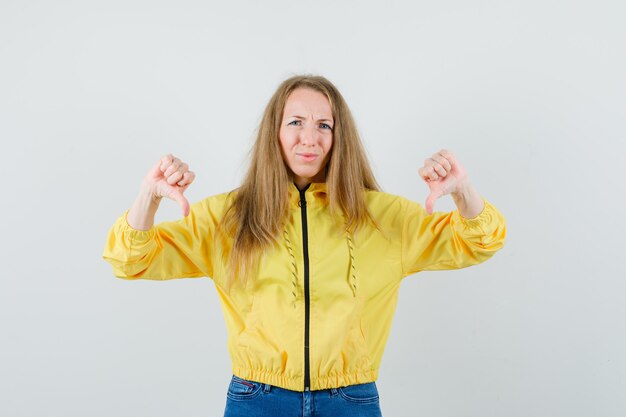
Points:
(352, 302)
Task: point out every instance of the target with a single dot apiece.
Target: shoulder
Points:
(381, 202)
(216, 204)
(392, 210)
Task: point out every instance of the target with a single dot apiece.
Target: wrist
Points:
(469, 203)
(148, 197)
(147, 203)
(463, 190)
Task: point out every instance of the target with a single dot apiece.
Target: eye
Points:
(326, 126)
(294, 123)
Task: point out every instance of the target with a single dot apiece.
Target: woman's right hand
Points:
(169, 178)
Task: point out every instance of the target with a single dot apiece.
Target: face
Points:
(306, 135)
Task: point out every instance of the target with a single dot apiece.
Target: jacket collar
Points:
(316, 194)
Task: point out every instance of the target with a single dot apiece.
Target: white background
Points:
(530, 95)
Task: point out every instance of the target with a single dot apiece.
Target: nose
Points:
(308, 135)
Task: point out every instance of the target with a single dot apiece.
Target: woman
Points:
(307, 255)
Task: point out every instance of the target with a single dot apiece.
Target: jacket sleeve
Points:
(172, 249)
(447, 240)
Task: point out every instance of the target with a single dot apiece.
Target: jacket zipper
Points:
(307, 305)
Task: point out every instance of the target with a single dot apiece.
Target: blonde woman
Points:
(307, 255)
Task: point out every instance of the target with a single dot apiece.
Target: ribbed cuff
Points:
(483, 218)
(136, 234)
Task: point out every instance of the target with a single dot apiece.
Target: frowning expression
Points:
(306, 135)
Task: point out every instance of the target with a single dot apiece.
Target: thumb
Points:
(430, 201)
(177, 195)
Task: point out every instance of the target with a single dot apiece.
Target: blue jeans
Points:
(253, 399)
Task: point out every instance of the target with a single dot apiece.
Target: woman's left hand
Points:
(443, 175)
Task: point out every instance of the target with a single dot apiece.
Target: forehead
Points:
(308, 102)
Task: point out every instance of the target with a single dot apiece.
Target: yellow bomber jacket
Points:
(319, 311)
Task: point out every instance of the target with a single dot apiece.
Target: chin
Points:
(307, 174)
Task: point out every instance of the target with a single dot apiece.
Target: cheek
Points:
(284, 143)
(286, 140)
(328, 144)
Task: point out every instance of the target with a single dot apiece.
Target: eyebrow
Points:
(318, 120)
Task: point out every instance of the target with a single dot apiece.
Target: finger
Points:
(176, 165)
(174, 178)
(166, 161)
(438, 168)
(443, 161)
(432, 170)
(428, 174)
(178, 196)
(432, 174)
(449, 156)
(430, 202)
(187, 179)
(156, 169)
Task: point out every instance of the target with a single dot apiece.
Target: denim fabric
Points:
(253, 399)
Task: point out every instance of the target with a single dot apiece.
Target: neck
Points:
(302, 182)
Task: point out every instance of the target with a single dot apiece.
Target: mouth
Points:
(307, 156)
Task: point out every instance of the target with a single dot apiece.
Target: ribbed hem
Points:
(343, 380)
(297, 383)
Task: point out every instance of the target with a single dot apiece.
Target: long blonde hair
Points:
(260, 205)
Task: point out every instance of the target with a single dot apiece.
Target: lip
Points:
(307, 156)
